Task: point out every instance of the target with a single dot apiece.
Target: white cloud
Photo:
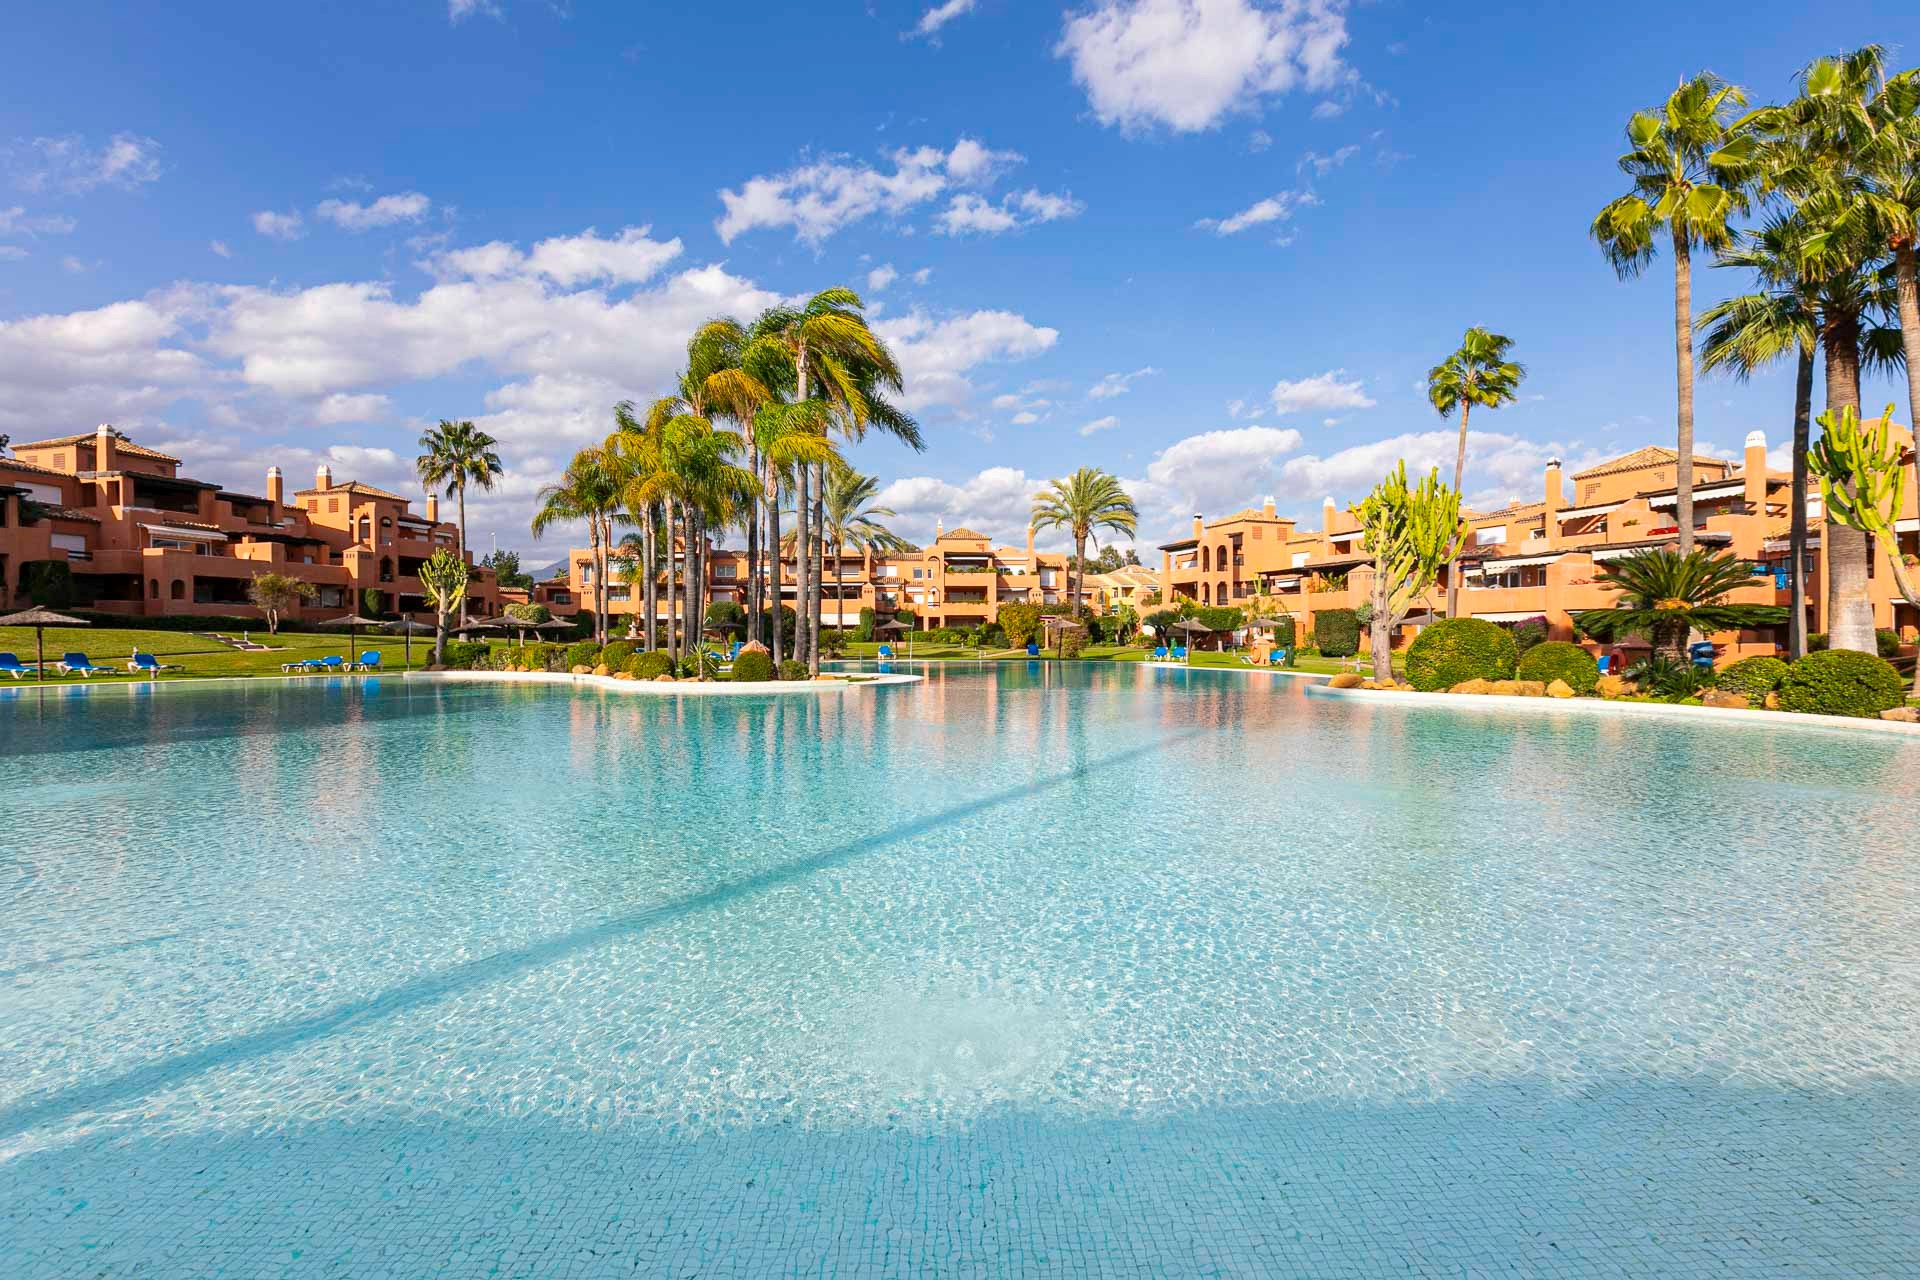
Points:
(1214, 471)
(628, 258)
(820, 198)
(937, 355)
(921, 276)
(1275, 208)
(343, 406)
(1259, 141)
(1118, 384)
(70, 163)
(940, 15)
(17, 222)
(880, 277)
(219, 247)
(280, 226)
(13, 253)
(461, 10)
(1025, 418)
(1320, 166)
(124, 362)
(1100, 424)
(969, 214)
(1322, 391)
(997, 502)
(1235, 408)
(1187, 64)
(1499, 467)
(406, 206)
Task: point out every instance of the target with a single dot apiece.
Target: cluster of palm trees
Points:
(756, 420)
(1832, 178)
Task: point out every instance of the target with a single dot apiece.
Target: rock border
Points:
(1753, 717)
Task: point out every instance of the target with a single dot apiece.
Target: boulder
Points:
(1613, 686)
(1902, 715)
(602, 670)
(663, 679)
(1347, 680)
(1560, 689)
(623, 675)
(434, 666)
(582, 669)
(1771, 702)
(1725, 699)
(1519, 688)
(1476, 685)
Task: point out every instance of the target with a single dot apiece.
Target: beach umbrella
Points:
(40, 619)
(353, 622)
(408, 629)
(894, 627)
(1191, 629)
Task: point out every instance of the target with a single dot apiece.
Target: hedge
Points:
(753, 666)
(1284, 632)
(1885, 643)
(584, 654)
(649, 666)
(1755, 677)
(1553, 660)
(1337, 633)
(1455, 650)
(791, 669)
(1840, 682)
(464, 654)
(615, 655)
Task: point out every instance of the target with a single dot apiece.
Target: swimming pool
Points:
(1026, 970)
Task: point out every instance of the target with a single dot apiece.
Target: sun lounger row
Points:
(368, 661)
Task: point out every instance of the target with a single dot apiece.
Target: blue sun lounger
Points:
(147, 664)
(886, 651)
(1160, 654)
(79, 663)
(10, 664)
(369, 661)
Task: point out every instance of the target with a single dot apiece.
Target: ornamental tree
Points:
(443, 581)
(1411, 534)
(1862, 473)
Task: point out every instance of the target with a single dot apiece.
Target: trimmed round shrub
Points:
(792, 670)
(462, 655)
(1754, 677)
(1885, 643)
(1337, 633)
(753, 666)
(1073, 642)
(1529, 632)
(584, 654)
(1455, 650)
(615, 655)
(648, 666)
(1840, 682)
(1552, 660)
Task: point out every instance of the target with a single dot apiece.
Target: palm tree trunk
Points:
(1459, 475)
(753, 536)
(593, 559)
(773, 566)
(647, 569)
(1907, 299)
(460, 537)
(1683, 365)
(802, 557)
(1380, 628)
(819, 566)
(839, 586)
(1076, 575)
(673, 646)
(1849, 606)
(1797, 534)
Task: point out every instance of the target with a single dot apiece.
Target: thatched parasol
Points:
(408, 629)
(353, 622)
(40, 619)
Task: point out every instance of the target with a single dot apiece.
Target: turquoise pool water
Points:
(1078, 971)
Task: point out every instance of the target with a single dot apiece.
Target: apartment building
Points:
(1541, 558)
(960, 580)
(142, 540)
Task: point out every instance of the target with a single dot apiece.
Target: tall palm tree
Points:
(1479, 373)
(588, 491)
(1087, 500)
(792, 438)
(1754, 330)
(1687, 180)
(853, 520)
(1810, 151)
(455, 455)
(633, 450)
(843, 364)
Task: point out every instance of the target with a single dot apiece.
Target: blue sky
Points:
(1210, 245)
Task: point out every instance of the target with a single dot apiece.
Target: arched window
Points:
(1220, 594)
(179, 590)
(153, 588)
(1206, 560)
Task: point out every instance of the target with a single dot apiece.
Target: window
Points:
(1299, 558)
(724, 571)
(179, 590)
(1590, 491)
(47, 493)
(916, 573)
(72, 543)
(1490, 535)
(333, 505)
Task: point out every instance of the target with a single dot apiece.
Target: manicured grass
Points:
(110, 647)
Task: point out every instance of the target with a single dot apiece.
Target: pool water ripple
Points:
(1024, 970)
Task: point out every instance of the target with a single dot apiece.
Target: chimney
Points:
(1554, 497)
(103, 447)
(939, 528)
(276, 494)
(1031, 566)
(323, 477)
(1199, 527)
(433, 508)
(1267, 509)
(1755, 472)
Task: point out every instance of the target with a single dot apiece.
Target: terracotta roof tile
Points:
(966, 534)
(354, 486)
(1650, 456)
(120, 445)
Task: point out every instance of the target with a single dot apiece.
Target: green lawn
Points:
(110, 647)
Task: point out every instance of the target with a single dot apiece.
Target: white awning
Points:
(1705, 491)
(1585, 513)
(1786, 544)
(1520, 615)
(1519, 562)
(1699, 535)
(1906, 526)
(184, 535)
